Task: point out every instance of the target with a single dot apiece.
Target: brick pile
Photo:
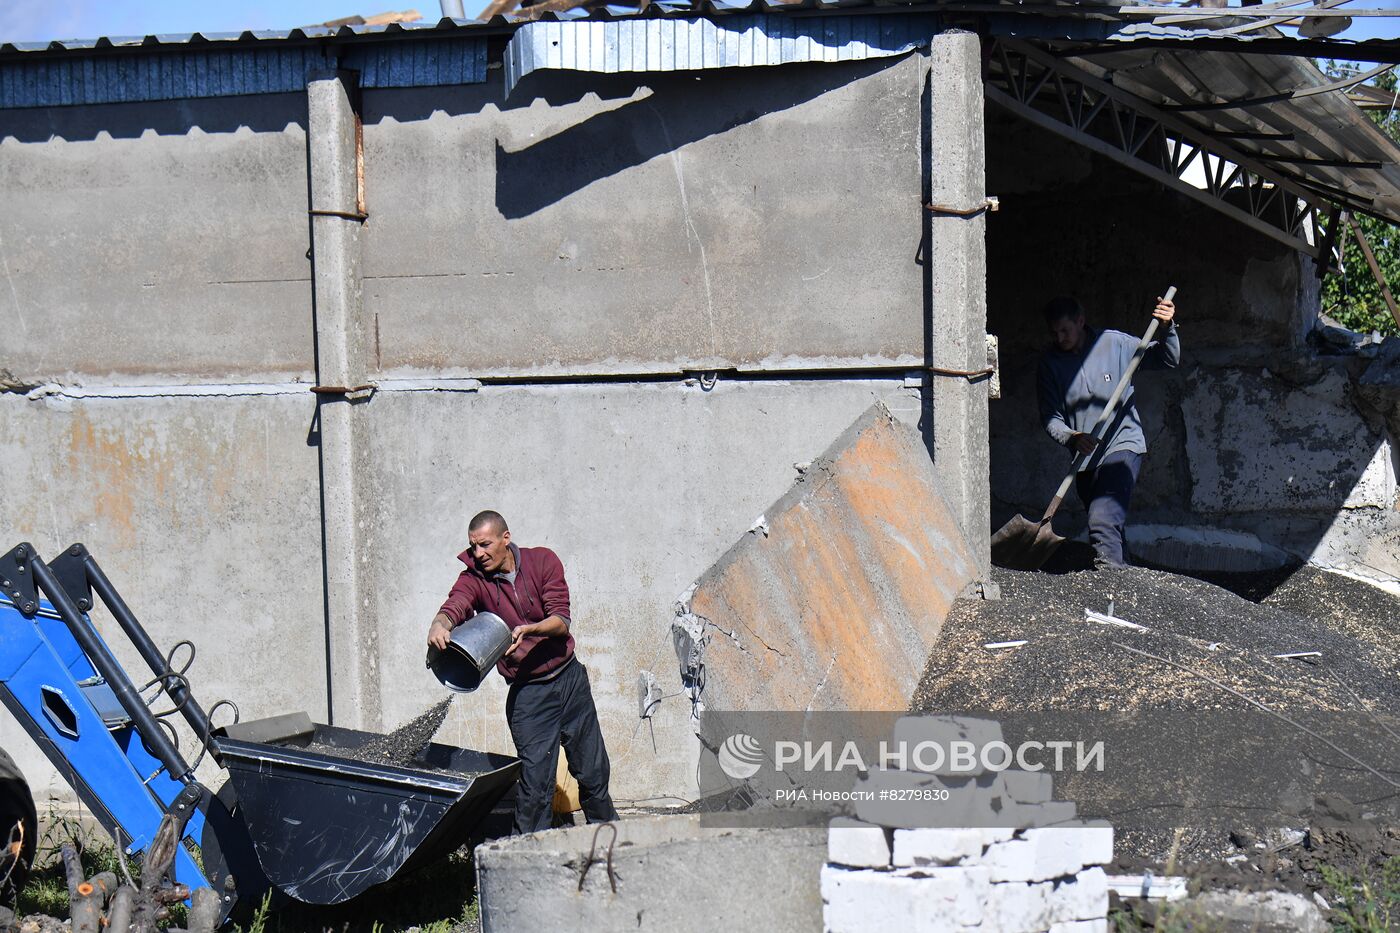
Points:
(1019, 862)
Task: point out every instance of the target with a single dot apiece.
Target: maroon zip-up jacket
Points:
(539, 592)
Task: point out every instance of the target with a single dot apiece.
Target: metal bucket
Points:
(476, 645)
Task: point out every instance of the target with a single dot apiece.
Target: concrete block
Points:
(946, 738)
(938, 899)
(951, 802)
(1018, 907)
(1083, 897)
(1013, 860)
(1048, 853)
(1090, 844)
(948, 896)
(1033, 815)
(986, 800)
(863, 550)
(857, 845)
(1253, 912)
(920, 847)
(1028, 786)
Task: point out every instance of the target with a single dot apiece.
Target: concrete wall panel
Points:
(152, 243)
(1287, 458)
(865, 550)
(659, 222)
(638, 488)
(205, 514)
(1257, 444)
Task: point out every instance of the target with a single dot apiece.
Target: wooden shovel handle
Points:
(1101, 425)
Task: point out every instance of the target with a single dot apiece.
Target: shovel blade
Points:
(1022, 544)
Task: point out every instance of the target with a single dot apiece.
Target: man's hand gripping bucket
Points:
(475, 647)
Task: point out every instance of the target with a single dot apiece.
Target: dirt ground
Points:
(1208, 656)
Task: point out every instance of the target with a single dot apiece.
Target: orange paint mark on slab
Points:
(838, 606)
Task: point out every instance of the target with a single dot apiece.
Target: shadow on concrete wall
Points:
(263, 113)
(1255, 434)
(681, 108)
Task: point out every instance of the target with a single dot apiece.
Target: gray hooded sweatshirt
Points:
(1074, 388)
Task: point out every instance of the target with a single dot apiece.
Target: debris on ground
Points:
(1071, 664)
(1207, 650)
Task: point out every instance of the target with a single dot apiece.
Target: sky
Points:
(39, 20)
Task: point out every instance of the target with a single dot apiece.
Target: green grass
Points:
(1365, 903)
(46, 891)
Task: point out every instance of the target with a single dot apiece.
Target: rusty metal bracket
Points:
(592, 850)
(989, 203)
(369, 387)
(968, 374)
(359, 216)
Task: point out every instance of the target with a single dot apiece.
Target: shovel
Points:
(1022, 544)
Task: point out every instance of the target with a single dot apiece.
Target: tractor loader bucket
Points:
(326, 828)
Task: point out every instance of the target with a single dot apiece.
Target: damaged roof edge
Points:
(661, 45)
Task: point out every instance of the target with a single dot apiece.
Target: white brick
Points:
(917, 847)
(911, 731)
(912, 806)
(1084, 843)
(857, 844)
(1016, 907)
(1013, 860)
(1032, 815)
(949, 897)
(1083, 897)
(1049, 853)
(1080, 926)
(1028, 786)
(935, 900)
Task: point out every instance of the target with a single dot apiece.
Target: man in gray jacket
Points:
(1077, 375)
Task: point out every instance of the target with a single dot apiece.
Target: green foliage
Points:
(1354, 298)
(46, 891)
(1366, 903)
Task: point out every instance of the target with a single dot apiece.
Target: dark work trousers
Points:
(1105, 491)
(543, 716)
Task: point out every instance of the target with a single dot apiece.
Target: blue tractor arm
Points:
(61, 682)
(292, 820)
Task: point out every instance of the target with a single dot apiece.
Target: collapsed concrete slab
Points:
(835, 596)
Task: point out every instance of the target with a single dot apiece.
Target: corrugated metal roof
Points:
(196, 71)
(1262, 103)
(692, 44)
(1080, 21)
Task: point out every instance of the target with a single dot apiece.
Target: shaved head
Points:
(488, 519)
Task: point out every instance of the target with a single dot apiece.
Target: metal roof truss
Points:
(1054, 94)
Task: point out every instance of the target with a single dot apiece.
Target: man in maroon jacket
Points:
(550, 702)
